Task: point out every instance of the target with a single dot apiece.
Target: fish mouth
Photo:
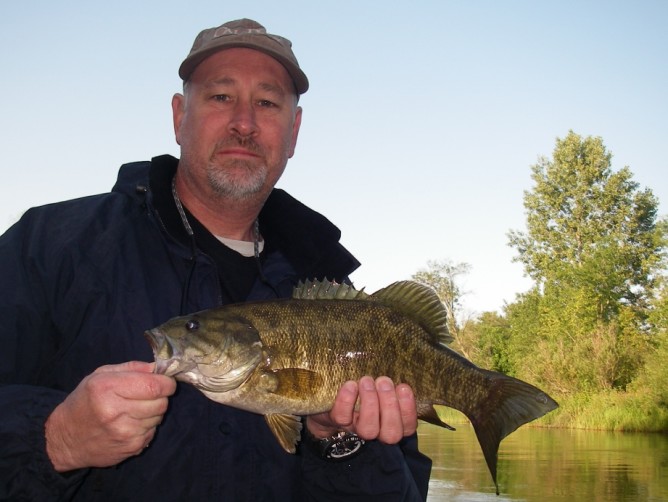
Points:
(155, 339)
(167, 361)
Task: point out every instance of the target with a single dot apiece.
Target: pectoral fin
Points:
(293, 383)
(286, 428)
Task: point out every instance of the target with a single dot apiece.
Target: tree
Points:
(442, 277)
(556, 340)
(589, 226)
(654, 377)
(594, 248)
(492, 333)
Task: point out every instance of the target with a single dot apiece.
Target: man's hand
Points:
(386, 412)
(110, 416)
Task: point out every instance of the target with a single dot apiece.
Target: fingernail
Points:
(404, 390)
(384, 384)
(350, 386)
(367, 383)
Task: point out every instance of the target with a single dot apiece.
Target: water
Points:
(548, 465)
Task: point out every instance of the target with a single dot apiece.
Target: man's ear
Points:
(295, 131)
(178, 107)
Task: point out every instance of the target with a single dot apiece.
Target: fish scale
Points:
(339, 349)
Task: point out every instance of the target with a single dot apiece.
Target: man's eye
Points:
(221, 97)
(265, 103)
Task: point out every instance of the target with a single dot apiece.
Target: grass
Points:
(610, 410)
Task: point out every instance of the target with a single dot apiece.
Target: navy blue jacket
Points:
(80, 282)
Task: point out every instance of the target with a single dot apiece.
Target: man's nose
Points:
(243, 121)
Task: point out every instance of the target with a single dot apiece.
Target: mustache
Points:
(240, 141)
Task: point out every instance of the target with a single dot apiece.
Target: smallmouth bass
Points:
(287, 358)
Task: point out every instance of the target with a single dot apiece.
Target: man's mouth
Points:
(237, 152)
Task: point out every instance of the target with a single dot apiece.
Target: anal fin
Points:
(429, 415)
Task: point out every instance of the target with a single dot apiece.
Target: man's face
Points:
(237, 123)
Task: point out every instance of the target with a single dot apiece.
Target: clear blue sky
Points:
(419, 129)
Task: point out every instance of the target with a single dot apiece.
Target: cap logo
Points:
(224, 30)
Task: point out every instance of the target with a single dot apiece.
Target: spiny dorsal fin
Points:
(327, 290)
(420, 303)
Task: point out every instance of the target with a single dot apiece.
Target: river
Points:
(548, 465)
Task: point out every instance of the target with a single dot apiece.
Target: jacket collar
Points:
(306, 238)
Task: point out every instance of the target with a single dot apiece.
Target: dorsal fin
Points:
(412, 299)
(327, 290)
(420, 303)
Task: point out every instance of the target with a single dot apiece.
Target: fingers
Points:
(373, 409)
(117, 393)
(340, 417)
(386, 413)
(139, 366)
(368, 421)
(135, 380)
(408, 409)
(344, 406)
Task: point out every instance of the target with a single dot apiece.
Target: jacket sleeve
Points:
(380, 473)
(27, 342)
(26, 473)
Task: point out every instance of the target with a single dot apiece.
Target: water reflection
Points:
(548, 465)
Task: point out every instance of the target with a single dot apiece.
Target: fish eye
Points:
(192, 325)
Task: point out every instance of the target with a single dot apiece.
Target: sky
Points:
(419, 130)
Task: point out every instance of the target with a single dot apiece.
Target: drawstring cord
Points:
(193, 250)
(193, 247)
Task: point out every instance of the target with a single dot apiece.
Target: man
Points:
(81, 416)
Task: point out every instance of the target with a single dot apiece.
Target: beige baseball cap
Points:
(244, 33)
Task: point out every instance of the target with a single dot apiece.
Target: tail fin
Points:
(510, 404)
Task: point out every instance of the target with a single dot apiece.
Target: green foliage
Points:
(658, 315)
(558, 340)
(594, 248)
(652, 382)
(588, 226)
(610, 410)
(491, 331)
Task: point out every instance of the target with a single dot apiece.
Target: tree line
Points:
(593, 329)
